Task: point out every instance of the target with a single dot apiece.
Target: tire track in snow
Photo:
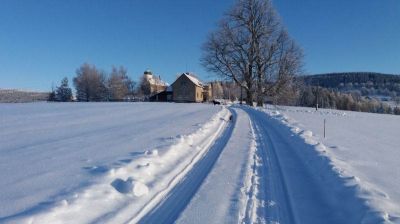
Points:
(251, 187)
(169, 209)
(271, 203)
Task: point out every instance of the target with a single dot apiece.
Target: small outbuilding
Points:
(188, 88)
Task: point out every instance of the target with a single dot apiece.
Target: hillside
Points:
(21, 96)
(368, 83)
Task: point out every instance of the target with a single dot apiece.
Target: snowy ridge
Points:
(323, 162)
(127, 193)
(248, 211)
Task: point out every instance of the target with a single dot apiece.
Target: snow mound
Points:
(153, 152)
(307, 134)
(137, 188)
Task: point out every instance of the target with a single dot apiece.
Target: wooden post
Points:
(317, 98)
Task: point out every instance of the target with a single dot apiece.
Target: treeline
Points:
(227, 90)
(311, 96)
(367, 83)
(21, 96)
(335, 80)
(93, 84)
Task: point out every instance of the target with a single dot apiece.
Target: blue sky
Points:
(42, 41)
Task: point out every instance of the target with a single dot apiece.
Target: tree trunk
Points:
(249, 97)
(260, 102)
(260, 95)
(241, 95)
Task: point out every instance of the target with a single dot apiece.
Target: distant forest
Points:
(367, 83)
(356, 91)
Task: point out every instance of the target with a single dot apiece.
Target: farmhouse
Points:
(188, 88)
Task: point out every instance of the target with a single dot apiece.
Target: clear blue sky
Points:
(42, 41)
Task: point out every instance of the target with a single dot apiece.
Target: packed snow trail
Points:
(292, 188)
(220, 198)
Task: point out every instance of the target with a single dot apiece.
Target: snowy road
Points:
(280, 180)
(221, 194)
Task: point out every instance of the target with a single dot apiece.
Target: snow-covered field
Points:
(196, 163)
(57, 158)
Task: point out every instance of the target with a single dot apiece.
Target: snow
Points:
(363, 149)
(223, 191)
(56, 158)
(189, 163)
(195, 80)
(284, 175)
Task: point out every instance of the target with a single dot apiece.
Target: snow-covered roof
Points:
(192, 78)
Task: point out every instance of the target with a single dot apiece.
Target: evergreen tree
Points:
(64, 92)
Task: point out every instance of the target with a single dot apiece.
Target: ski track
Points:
(292, 190)
(222, 193)
(169, 209)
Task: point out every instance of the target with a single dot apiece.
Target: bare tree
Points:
(252, 48)
(282, 64)
(90, 84)
(229, 53)
(144, 87)
(119, 84)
